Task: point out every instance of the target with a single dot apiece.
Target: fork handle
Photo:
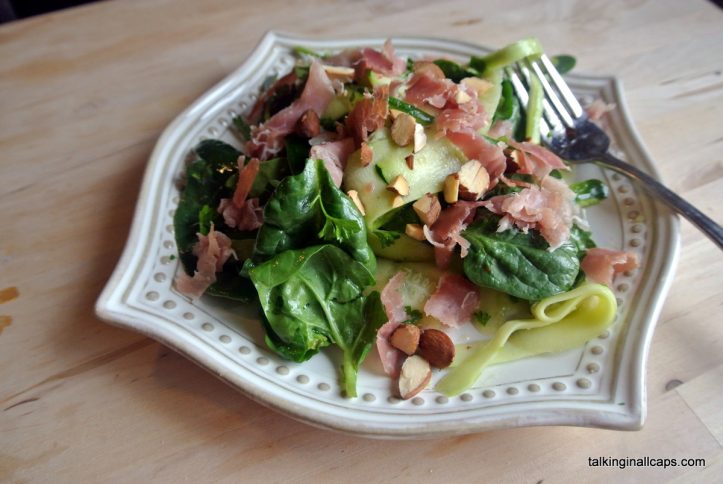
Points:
(678, 204)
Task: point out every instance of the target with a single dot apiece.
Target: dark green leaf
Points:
(308, 209)
(517, 263)
(414, 315)
(478, 64)
(269, 171)
(297, 151)
(589, 192)
(481, 317)
(312, 298)
(454, 71)
(563, 63)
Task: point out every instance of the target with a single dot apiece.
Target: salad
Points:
(378, 201)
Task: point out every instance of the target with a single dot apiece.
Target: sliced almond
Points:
(420, 138)
(397, 201)
(410, 161)
(344, 74)
(415, 231)
(403, 129)
(366, 154)
(436, 347)
(394, 113)
(480, 86)
(462, 97)
(354, 195)
(473, 180)
(414, 377)
(406, 338)
(451, 188)
(427, 208)
(399, 186)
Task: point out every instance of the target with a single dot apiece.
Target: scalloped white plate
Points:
(599, 385)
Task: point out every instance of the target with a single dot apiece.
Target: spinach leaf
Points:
(208, 179)
(206, 183)
(297, 151)
(517, 263)
(589, 192)
(308, 209)
(270, 172)
(243, 128)
(454, 71)
(312, 298)
(563, 63)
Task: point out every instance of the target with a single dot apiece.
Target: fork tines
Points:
(560, 106)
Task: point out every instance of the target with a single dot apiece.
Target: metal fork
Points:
(567, 131)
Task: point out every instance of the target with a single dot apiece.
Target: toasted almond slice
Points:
(338, 72)
(480, 86)
(462, 97)
(437, 348)
(410, 161)
(406, 338)
(403, 129)
(366, 154)
(399, 186)
(415, 231)
(397, 201)
(420, 138)
(309, 124)
(473, 180)
(394, 113)
(414, 377)
(451, 188)
(354, 195)
(427, 208)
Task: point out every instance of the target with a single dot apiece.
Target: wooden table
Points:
(85, 93)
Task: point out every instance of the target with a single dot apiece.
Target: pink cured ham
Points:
(267, 138)
(549, 208)
(334, 155)
(600, 265)
(391, 357)
(475, 147)
(368, 114)
(238, 212)
(501, 128)
(597, 110)
(383, 62)
(212, 251)
(454, 300)
(444, 235)
(249, 216)
(536, 160)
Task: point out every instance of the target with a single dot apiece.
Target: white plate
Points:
(599, 385)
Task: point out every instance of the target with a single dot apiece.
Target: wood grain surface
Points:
(85, 93)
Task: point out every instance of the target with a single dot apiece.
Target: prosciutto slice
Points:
(549, 208)
(368, 114)
(384, 62)
(600, 265)
(391, 357)
(237, 212)
(267, 138)
(212, 250)
(454, 300)
(444, 235)
(475, 147)
(536, 160)
(334, 155)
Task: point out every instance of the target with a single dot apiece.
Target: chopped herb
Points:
(563, 63)
(415, 112)
(482, 317)
(379, 171)
(172, 257)
(205, 219)
(414, 315)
